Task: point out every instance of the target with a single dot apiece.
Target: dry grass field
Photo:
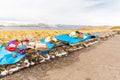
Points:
(6, 36)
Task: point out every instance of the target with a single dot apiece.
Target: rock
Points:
(14, 55)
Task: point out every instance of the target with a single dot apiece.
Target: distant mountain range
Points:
(35, 25)
(43, 25)
(25, 25)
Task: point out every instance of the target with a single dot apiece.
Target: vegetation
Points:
(115, 28)
(6, 36)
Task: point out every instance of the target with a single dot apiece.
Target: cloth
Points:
(12, 49)
(73, 35)
(21, 49)
(70, 40)
(49, 44)
(12, 42)
(6, 57)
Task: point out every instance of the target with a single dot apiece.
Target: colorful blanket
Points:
(6, 57)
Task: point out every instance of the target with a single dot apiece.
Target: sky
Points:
(77, 12)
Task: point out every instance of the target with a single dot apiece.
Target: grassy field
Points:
(6, 36)
(115, 28)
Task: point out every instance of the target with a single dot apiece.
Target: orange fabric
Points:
(16, 43)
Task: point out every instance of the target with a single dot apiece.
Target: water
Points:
(39, 28)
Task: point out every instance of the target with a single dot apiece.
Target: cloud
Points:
(84, 12)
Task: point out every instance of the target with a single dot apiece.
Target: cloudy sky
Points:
(83, 12)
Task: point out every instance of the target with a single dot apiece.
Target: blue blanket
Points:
(50, 46)
(6, 57)
(70, 40)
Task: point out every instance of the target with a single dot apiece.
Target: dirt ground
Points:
(98, 62)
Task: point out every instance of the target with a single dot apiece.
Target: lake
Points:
(39, 28)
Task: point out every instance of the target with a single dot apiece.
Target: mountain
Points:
(25, 25)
